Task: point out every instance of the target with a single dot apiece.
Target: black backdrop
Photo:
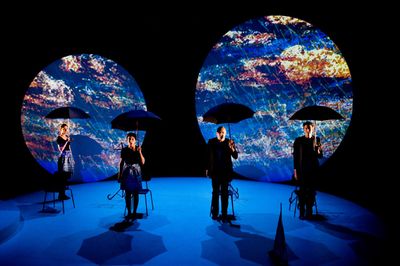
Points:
(174, 46)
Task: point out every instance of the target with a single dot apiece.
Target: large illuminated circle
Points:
(275, 65)
(98, 86)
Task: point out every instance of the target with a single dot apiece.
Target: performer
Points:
(129, 175)
(306, 152)
(220, 170)
(65, 165)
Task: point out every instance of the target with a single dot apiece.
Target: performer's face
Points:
(64, 130)
(131, 141)
(221, 134)
(308, 130)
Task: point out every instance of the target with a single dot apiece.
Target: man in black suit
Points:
(306, 152)
(220, 170)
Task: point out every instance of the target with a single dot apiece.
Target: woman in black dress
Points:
(65, 160)
(129, 175)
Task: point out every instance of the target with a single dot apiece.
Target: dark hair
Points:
(131, 134)
(63, 125)
(219, 129)
(308, 123)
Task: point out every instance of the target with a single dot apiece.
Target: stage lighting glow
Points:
(98, 86)
(275, 65)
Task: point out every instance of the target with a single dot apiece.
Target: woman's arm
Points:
(142, 160)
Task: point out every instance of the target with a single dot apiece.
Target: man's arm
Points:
(233, 150)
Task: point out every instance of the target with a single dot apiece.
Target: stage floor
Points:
(179, 231)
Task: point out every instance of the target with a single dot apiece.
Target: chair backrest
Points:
(145, 188)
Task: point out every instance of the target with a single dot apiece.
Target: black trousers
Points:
(306, 196)
(219, 185)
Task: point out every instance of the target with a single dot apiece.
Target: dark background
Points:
(164, 52)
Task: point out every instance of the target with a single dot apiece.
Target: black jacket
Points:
(219, 161)
(305, 157)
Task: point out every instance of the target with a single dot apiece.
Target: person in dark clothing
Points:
(306, 151)
(65, 164)
(129, 174)
(220, 170)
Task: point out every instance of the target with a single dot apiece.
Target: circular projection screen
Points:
(275, 65)
(101, 88)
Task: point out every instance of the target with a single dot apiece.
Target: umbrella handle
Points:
(315, 134)
(137, 133)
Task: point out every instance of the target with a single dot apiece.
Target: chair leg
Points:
(145, 201)
(315, 204)
(72, 197)
(54, 200)
(151, 197)
(44, 201)
(233, 210)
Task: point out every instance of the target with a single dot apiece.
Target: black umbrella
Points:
(316, 112)
(67, 112)
(228, 113)
(135, 120)
(85, 145)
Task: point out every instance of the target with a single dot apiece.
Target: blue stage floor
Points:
(179, 231)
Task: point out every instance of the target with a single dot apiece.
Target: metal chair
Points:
(54, 186)
(294, 198)
(144, 191)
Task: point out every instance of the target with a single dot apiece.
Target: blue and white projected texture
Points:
(101, 88)
(275, 65)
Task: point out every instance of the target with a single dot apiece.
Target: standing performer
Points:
(306, 152)
(130, 173)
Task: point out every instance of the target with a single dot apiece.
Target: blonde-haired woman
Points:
(65, 160)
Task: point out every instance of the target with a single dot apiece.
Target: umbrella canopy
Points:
(85, 145)
(316, 112)
(228, 113)
(135, 120)
(67, 112)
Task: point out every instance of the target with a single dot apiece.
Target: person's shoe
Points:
(214, 216)
(224, 218)
(133, 216)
